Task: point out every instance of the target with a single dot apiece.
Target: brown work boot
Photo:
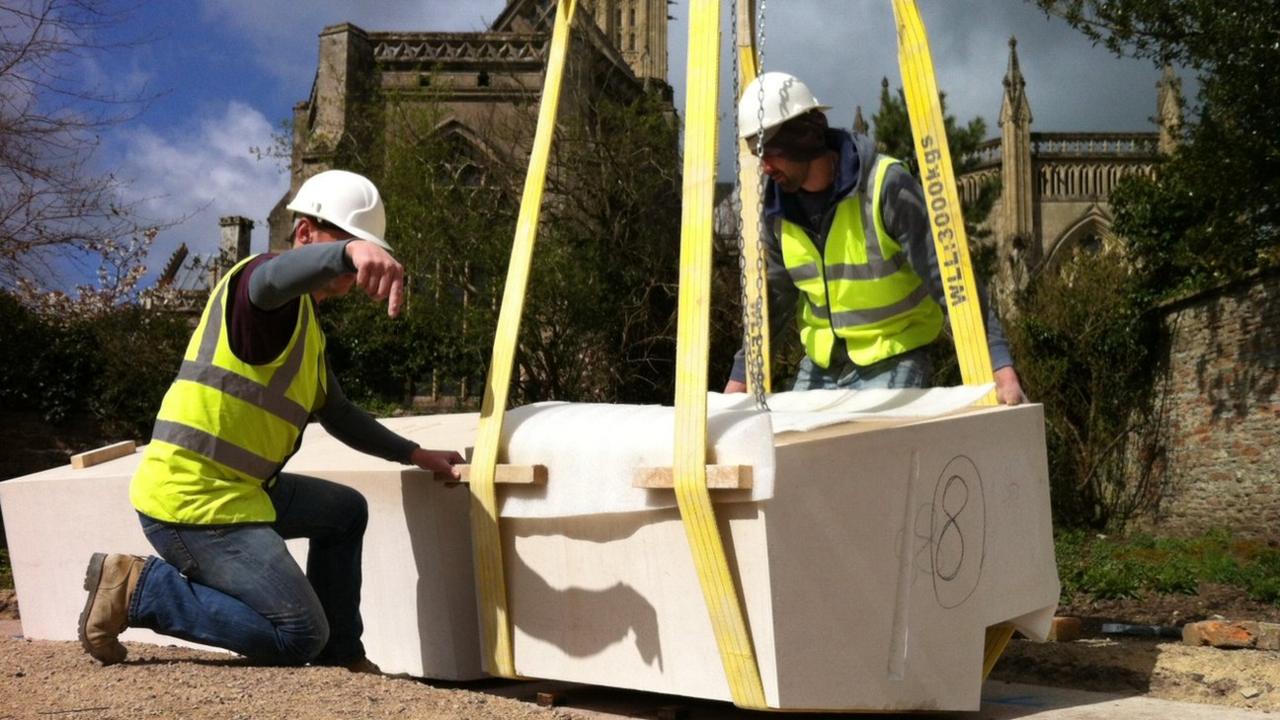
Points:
(110, 580)
(364, 665)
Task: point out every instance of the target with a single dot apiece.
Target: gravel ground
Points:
(43, 679)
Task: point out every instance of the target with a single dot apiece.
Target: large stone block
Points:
(869, 571)
(418, 599)
(869, 577)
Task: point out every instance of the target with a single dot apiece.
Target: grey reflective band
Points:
(868, 316)
(212, 328)
(271, 397)
(242, 388)
(288, 370)
(819, 311)
(870, 236)
(805, 272)
(215, 448)
(873, 269)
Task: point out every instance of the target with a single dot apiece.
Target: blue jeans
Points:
(237, 587)
(908, 370)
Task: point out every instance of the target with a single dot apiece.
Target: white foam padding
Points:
(803, 410)
(592, 451)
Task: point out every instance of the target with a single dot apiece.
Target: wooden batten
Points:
(503, 474)
(719, 477)
(90, 458)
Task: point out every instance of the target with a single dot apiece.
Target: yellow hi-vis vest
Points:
(861, 288)
(226, 427)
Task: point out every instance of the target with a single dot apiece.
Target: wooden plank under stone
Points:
(719, 477)
(90, 458)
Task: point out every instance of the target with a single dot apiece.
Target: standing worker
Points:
(209, 491)
(848, 245)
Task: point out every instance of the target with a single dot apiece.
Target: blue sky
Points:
(227, 72)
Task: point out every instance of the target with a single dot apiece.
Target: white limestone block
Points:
(418, 600)
(869, 570)
(869, 578)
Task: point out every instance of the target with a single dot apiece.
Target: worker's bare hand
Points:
(1008, 387)
(440, 462)
(735, 386)
(378, 274)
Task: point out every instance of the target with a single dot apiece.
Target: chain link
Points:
(752, 313)
(755, 322)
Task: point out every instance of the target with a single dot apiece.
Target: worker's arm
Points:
(902, 208)
(297, 272)
(783, 296)
(357, 429)
(311, 267)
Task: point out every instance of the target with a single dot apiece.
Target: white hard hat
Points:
(785, 97)
(345, 199)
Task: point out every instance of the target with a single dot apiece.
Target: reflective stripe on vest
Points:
(860, 288)
(226, 427)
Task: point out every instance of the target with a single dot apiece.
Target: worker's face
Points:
(789, 174)
(311, 232)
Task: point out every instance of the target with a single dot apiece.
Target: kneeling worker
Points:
(209, 491)
(848, 246)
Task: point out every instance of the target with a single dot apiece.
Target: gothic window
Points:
(631, 41)
(631, 15)
(482, 80)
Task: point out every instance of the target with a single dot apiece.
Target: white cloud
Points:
(202, 169)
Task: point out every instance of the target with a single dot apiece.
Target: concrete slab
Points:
(1010, 701)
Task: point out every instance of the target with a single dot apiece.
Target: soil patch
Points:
(1160, 668)
(1223, 601)
(8, 605)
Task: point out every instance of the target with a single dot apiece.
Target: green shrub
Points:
(114, 367)
(1087, 349)
(1108, 567)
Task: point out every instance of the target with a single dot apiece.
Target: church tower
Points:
(1016, 222)
(638, 29)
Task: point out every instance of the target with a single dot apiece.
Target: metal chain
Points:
(752, 314)
(756, 329)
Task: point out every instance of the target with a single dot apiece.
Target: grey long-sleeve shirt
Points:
(264, 309)
(902, 208)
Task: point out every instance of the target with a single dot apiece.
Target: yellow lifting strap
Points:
(486, 540)
(718, 588)
(941, 199)
(755, 286)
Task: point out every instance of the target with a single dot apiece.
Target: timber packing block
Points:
(871, 554)
(83, 460)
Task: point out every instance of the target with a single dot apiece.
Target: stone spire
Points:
(1169, 109)
(1016, 220)
(860, 125)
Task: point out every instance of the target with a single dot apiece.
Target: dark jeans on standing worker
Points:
(237, 587)
(908, 370)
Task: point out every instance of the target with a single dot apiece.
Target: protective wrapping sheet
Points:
(812, 409)
(592, 451)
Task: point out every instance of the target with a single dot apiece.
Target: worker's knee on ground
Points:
(303, 644)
